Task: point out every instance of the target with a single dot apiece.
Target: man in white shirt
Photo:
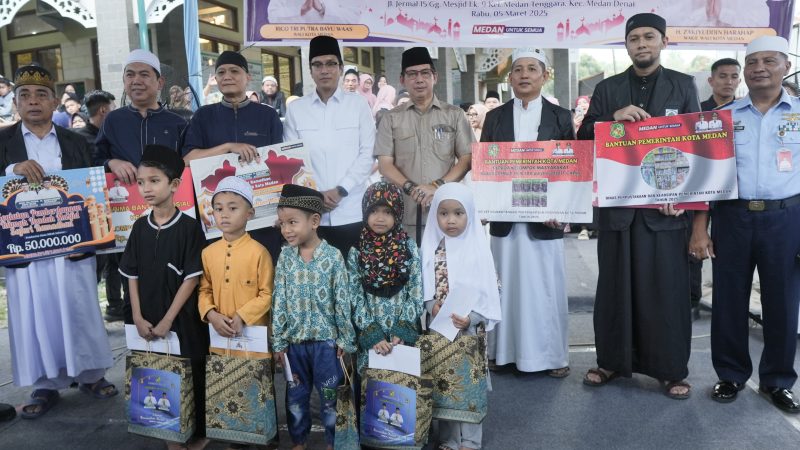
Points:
(26, 198)
(163, 403)
(48, 194)
(383, 414)
(338, 129)
(118, 193)
(396, 419)
(714, 124)
(701, 126)
(150, 401)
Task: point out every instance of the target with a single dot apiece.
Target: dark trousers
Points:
(343, 237)
(642, 318)
(695, 271)
(696, 282)
(743, 241)
(108, 268)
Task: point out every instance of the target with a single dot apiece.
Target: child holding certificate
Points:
(163, 267)
(456, 258)
(236, 287)
(385, 276)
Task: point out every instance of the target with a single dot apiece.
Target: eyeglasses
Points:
(472, 114)
(329, 65)
(413, 74)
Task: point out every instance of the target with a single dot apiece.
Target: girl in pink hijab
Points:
(384, 100)
(365, 83)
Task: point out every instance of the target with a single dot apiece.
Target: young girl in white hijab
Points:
(456, 258)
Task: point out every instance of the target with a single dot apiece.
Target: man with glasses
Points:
(339, 132)
(424, 143)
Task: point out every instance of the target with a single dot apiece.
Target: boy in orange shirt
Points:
(237, 282)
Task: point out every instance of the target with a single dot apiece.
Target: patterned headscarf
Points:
(384, 261)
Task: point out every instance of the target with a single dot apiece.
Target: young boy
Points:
(312, 313)
(236, 287)
(163, 266)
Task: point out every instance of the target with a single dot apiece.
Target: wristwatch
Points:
(342, 191)
(408, 186)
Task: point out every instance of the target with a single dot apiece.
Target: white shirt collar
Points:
(337, 94)
(26, 131)
(535, 103)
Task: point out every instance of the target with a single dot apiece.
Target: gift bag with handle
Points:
(346, 437)
(395, 409)
(240, 400)
(459, 368)
(159, 396)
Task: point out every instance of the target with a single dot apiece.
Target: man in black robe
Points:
(642, 312)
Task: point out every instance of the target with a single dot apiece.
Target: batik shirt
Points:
(311, 300)
(378, 318)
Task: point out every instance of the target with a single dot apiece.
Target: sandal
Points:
(99, 389)
(44, 399)
(559, 373)
(674, 395)
(604, 378)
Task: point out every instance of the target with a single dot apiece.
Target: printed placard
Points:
(533, 181)
(66, 213)
(127, 205)
(673, 159)
(276, 165)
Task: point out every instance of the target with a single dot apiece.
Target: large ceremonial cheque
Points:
(276, 165)
(509, 23)
(66, 213)
(533, 181)
(673, 159)
(127, 205)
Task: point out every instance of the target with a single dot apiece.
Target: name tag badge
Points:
(785, 160)
(670, 112)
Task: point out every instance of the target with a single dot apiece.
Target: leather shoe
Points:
(782, 398)
(726, 391)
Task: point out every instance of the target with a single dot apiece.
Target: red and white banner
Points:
(533, 181)
(673, 159)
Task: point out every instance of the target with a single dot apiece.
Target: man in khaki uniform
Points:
(424, 143)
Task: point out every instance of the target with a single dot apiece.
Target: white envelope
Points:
(459, 302)
(169, 345)
(287, 370)
(253, 339)
(403, 358)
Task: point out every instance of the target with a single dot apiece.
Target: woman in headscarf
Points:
(476, 114)
(365, 83)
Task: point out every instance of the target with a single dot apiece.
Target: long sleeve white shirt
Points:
(339, 136)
